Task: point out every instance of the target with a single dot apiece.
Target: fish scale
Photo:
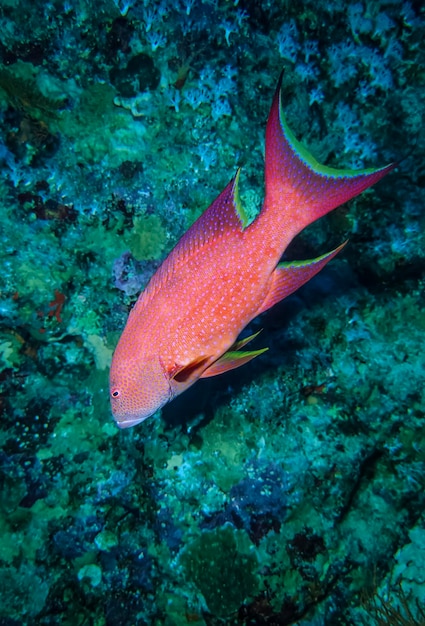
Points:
(222, 274)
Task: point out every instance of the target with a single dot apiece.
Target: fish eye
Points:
(115, 393)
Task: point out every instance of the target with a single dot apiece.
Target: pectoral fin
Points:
(189, 372)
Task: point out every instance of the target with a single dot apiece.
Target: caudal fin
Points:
(298, 187)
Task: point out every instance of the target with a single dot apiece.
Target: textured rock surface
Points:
(292, 490)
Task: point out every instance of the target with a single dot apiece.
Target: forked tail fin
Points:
(298, 188)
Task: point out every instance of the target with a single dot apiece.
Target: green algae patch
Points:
(147, 238)
(99, 131)
(223, 567)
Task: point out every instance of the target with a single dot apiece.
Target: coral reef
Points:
(290, 491)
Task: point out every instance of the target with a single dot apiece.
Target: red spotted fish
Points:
(222, 274)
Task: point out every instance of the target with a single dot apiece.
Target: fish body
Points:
(222, 274)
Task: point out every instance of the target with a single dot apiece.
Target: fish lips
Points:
(129, 422)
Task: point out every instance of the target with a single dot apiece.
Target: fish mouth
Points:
(131, 421)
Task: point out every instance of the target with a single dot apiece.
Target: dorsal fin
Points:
(224, 216)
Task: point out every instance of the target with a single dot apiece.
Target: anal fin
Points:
(288, 277)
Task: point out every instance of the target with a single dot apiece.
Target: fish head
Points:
(137, 389)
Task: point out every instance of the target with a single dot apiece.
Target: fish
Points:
(224, 272)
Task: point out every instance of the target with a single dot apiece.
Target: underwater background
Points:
(292, 490)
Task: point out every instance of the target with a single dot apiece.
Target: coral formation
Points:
(291, 491)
